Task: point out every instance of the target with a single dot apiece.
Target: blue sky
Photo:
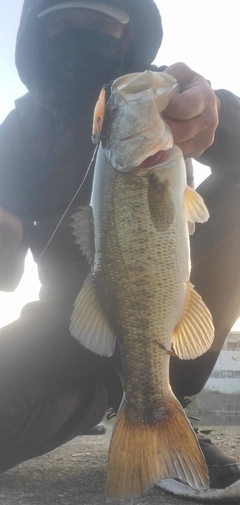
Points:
(204, 34)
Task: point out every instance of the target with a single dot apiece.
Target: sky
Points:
(203, 34)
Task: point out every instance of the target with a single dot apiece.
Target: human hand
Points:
(10, 235)
(193, 114)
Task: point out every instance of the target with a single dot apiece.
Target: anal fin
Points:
(89, 324)
(194, 334)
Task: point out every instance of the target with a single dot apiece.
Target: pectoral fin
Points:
(195, 208)
(84, 231)
(89, 324)
(195, 333)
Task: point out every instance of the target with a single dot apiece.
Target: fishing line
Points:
(64, 214)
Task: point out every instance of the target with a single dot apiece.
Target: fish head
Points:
(136, 129)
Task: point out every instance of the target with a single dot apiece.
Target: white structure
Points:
(225, 377)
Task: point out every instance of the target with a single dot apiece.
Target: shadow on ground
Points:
(76, 474)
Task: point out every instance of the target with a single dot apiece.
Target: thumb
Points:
(182, 73)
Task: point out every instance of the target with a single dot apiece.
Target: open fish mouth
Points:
(159, 158)
(156, 159)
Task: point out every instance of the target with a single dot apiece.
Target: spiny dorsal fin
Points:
(195, 333)
(195, 208)
(89, 324)
(84, 231)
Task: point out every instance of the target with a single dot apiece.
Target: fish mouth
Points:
(152, 161)
(156, 159)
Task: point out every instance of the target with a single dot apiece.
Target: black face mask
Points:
(76, 65)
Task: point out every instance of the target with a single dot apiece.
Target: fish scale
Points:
(148, 272)
(138, 294)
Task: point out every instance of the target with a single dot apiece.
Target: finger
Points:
(185, 76)
(196, 93)
(188, 104)
(181, 72)
(189, 129)
(193, 148)
(184, 131)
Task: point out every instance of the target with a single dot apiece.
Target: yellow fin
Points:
(140, 455)
(195, 333)
(89, 324)
(195, 208)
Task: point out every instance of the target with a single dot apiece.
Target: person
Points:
(52, 388)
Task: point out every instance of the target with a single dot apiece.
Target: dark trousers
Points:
(215, 255)
(53, 389)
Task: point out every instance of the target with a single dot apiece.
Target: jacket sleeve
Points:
(224, 154)
(13, 197)
(13, 166)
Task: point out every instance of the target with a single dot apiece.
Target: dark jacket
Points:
(43, 157)
(42, 163)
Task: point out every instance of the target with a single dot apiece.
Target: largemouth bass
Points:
(135, 236)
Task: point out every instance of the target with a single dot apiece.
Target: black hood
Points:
(146, 26)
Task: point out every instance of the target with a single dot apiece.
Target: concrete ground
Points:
(76, 474)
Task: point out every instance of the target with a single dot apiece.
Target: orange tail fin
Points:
(140, 455)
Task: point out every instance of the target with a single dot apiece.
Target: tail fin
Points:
(140, 455)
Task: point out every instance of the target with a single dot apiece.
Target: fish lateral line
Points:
(170, 352)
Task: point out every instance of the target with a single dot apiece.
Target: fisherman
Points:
(52, 389)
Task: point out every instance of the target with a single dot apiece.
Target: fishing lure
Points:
(98, 117)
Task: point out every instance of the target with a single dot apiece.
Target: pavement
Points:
(76, 474)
